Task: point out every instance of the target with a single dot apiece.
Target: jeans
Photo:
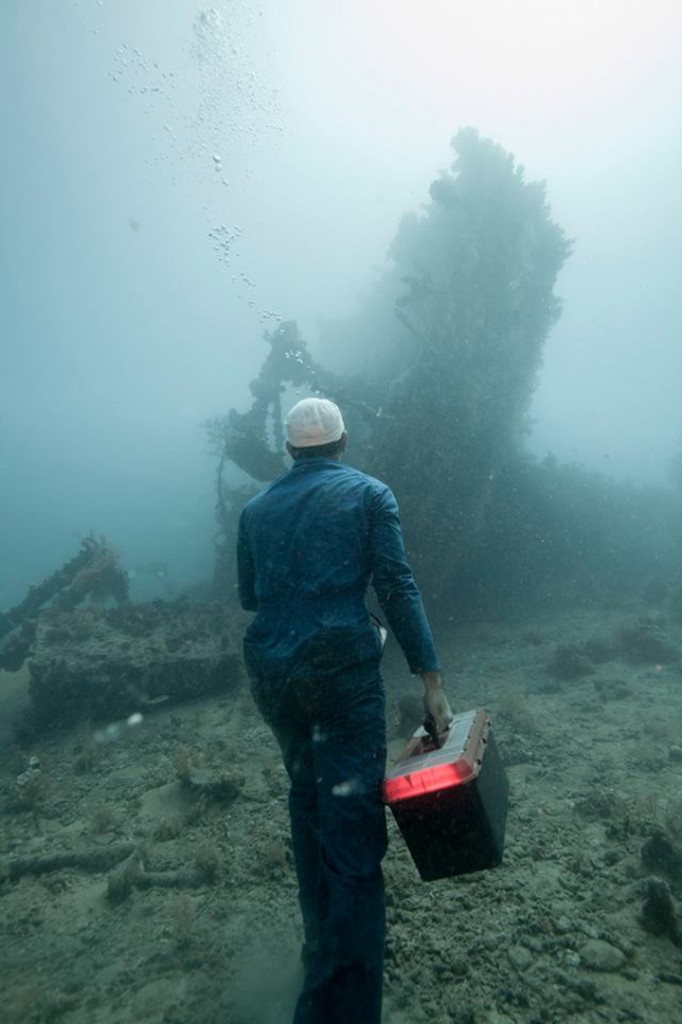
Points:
(331, 730)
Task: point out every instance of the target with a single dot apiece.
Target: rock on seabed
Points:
(598, 955)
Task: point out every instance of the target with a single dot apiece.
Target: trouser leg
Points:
(278, 703)
(305, 828)
(344, 979)
(332, 736)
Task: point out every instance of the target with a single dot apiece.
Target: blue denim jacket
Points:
(309, 546)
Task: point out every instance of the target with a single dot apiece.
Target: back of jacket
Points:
(309, 545)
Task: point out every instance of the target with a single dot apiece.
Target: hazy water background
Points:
(175, 177)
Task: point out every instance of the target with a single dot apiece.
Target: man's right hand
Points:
(437, 704)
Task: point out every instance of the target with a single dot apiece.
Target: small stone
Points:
(460, 967)
(598, 955)
(520, 957)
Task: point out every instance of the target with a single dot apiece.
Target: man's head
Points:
(315, 428)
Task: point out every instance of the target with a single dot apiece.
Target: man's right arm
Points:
(435, 701)
(401, 602)
(395, 587)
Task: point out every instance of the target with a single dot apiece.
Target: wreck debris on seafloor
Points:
(89, 660)
(95, 572)
(108, 663)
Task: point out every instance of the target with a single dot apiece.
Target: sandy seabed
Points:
(200, 924)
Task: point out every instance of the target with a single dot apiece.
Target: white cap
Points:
(314, 421)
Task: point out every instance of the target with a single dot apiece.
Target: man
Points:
(309, 546)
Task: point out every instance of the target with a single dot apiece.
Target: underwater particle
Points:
(346, 788)
(207, 30)
(269, 314)
(114, 731)
(319, 736)
(109, 733)
(223, 238)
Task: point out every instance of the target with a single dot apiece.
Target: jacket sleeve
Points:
(395, 587)
(246, 575)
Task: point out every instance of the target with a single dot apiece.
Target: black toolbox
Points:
(450, 802)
